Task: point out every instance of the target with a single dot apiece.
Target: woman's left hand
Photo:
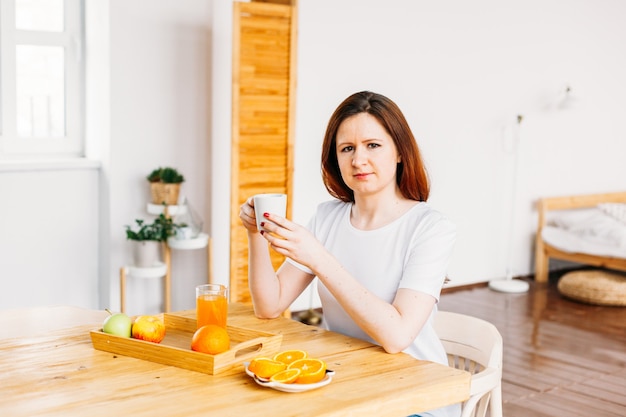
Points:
(292, 240)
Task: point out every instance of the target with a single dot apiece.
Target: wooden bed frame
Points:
(543, 251)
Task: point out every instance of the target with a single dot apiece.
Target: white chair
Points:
(474, 345)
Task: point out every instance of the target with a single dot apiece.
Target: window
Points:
(41, 78)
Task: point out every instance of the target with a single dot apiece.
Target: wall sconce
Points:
(564, 99)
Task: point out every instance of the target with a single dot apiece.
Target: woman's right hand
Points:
(247, 216)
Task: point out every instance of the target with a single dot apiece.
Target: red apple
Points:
(149, 328)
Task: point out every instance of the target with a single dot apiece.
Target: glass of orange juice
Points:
(211, 304)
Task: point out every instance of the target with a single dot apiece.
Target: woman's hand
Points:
(247, 216)
(272, 291)
(292, 240)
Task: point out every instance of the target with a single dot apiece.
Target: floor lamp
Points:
(509, 284)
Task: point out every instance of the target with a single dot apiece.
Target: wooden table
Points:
(48, 366)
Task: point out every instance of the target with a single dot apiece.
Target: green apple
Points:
(118, 324)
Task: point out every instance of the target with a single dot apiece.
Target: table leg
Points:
(168, 278)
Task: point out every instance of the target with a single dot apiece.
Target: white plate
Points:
(290, 387)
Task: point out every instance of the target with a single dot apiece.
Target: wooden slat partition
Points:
(263, 114)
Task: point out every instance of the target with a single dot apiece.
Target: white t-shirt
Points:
(412, 252)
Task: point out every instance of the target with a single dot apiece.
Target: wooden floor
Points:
(561, 358)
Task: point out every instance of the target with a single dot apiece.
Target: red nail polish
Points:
(266, 214)
(262, 231)
(262, 224)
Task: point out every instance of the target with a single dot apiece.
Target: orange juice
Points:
(211, 309)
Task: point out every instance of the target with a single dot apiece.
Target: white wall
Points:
(62, 238)
(48, 235)
(160, 116)
(460, 71)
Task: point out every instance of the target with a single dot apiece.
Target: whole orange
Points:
(210, 339)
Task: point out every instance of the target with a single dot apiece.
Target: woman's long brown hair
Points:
(411, 175)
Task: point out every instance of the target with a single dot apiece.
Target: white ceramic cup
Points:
(269, 203)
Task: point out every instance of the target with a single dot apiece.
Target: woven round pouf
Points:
(594, 287)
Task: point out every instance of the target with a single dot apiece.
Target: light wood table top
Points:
(48, 366)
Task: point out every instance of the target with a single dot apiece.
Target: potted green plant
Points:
(165, 185)
(147, 238)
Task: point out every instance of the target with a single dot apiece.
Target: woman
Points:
(379, 250)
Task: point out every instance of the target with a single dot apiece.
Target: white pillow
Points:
(567, 219)
(615, 210)
(592, 224)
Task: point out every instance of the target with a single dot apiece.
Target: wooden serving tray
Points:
(175, 348)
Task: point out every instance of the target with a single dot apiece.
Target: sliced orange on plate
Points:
(288, 376)
(288, 367)
(311, 370)
(265, 367)
(289, 356)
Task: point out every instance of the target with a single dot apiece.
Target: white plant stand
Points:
(164, 269)
(159, 270)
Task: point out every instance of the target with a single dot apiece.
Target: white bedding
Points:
(598, 230)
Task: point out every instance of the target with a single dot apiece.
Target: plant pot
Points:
(164, 193)
(184, 233)
(146, 253)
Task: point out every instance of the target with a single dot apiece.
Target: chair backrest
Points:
(474, 345)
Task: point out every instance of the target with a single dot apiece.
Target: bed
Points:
(585, 229)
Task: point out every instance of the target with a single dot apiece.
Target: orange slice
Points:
(289, 356)
(265, 367)
(288, 376)
(312, 370)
